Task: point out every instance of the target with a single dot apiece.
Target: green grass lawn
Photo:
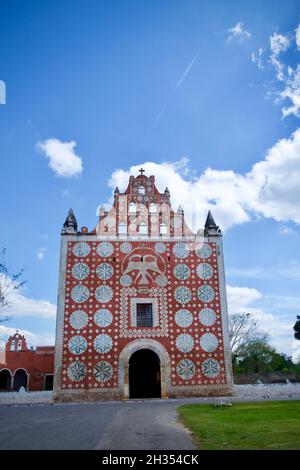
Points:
(257, 425)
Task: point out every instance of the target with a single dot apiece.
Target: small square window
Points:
(144, 315)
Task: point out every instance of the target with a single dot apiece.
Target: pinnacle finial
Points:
(70, 224)
(211, 228)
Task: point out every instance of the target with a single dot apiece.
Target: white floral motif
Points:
(77, 345)
(103, 317)
(103, 371)
(76, 371)
(80, 293)
(104, 294)
(180, 250)
(105, 249)
(211, 368)
(78, 319)
(125, 280)
(185, 369)
(80, 271)
(104, 271)
(160, 247)
(206, 293)
(125, 247)
(204, 271)
(209, 342)
(204, 251)
(183, 294)
(183, 318)
(184, 343)
(161, 280)
(182, 271)
(103, 343)
(81, 249)
(207, 316)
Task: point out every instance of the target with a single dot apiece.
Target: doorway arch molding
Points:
(131, 348)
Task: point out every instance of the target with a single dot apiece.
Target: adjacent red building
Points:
(24, 367)
(142, 306)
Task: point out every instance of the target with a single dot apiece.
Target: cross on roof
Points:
(141, 170)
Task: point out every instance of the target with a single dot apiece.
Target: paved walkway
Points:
(123, 425)
(111, 425)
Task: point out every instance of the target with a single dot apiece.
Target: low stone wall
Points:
(243, 392)
(10, 398)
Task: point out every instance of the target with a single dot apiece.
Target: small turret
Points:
(211, 228)
(70, 225)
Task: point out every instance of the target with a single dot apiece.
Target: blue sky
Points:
(176, 86)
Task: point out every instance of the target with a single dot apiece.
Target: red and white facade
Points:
(141, 252)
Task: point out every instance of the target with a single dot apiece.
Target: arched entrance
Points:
(144, 374)
(20, 379)
(5, 380)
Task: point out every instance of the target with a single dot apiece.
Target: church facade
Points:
(142, 308)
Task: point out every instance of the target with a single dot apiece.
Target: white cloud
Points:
(279, 43)
(41, 253)
(270, 189)
(238, 33)
(297, 36)
(280, 328)
(33, 339)
(22, 306)
(285, 230)
(62, 157)
(66, 193)
(287, 271)
(292, 92)
(257, 58)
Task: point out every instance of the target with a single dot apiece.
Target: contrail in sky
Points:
(165, 106)
(187, 70)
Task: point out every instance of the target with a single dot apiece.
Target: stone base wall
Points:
(88, 395)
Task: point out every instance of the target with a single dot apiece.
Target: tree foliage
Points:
(297, 328)
(251, 349)
(9, 282)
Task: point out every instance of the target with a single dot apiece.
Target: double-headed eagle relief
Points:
(143, 268)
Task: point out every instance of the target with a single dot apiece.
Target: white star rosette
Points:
(104, 271)
(104, 294)
(78, 319)
(103, 317)
(183, 318)
(182, 271)
(184, 343)
(103, 371)
(80, 271)
(125, 280)
(206, 293)
(182, 294)
(185, 369)
(207, 316)
(103, 343)
(77, 344)
(76, 371)
(180, 250)
(105, 249)
(204, 271)
(211, 368)
(209, 342)
(125, 247)
(204, 251)
(80, 293)
(160, 247)
(161, 280)
(81, 249)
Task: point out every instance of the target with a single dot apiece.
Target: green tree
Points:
(9, 282)
(297, 328)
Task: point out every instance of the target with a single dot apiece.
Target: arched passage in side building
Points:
(20, 379)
